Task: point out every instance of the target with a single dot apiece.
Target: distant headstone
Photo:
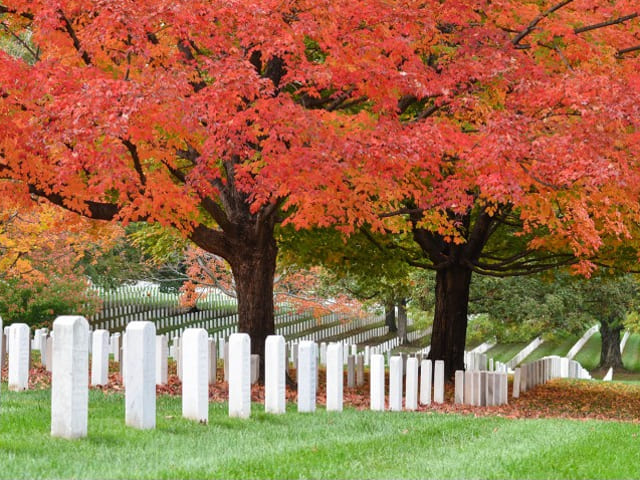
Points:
(516, 383)
(323, 353)
(491, 389)
(459, 387)
(425, 382)
(307, 376)
(70, 377)
(239, 375)
(335, 377)
(225, 358)
(162, 360)
(274, 372)
(100, 357)
(255, 368)
(115, 347)
(213, 360)
(411, 390)
(477, 388)
(351, 371)
(376, 382)
(140, 375)
(438, 382)
(19, 346)
(360, 370)
(49, 352)
(468, 387)
(195, 383)
(395, 383)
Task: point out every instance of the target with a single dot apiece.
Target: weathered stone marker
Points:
(255, 368)
(239, 375)
(376, 382)
(162, 359)
(140, 375)
(395, 384)
(274, 373)
(195, 376)
(411, 390)
(335, 377)
(100, 358)
(307, 376)
(49, 352)
(468, 387)
(360, 370)
(19, 347)
(516, 383)
(70, 378)
(425, 382)
(438, 382)
(351, 371)
(225, 359)
(477, 388)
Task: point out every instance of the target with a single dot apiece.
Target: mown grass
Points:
(631, 354)
(351, 444)
(558, 347)
(503, 352)
(589, 355)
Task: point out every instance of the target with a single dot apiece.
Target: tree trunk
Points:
(253, 272)
(402, 321)
(390, 316)
(610, 355)
(450, 318)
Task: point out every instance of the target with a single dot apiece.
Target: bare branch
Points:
(607, 23)
(534, 23)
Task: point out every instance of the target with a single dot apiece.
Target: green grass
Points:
(631, 354)
(589, 355)
(503, 352)
(351, 444)
(559, 347)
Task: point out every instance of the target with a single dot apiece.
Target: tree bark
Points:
(610, 355)
(253, 268)
(450, 318)
(390, 317)
(402, 321)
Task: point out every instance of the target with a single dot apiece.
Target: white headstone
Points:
(19, 357)
(335, 377)
(162, 359)
(395, 384)
(307, 375)
(351, 371)
(195, 376)
(70, 377)
(425, 382)
(274, 375)
(438, 382)
(49, 352)
(491, 389)
(213, 360)
(115, 347)
(255, 368)
(239, 375)
(360, 370)
(477, 388)
(468, 387)
(100, 357)
(323, 353)
(516, 383)
(411, 391)
(376, 382)
(459, 387)
(140, 375)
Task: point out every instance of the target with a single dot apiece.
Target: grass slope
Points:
(503, 352)
(351, 444)
(559, 347)
(631, 354)
(589, 355)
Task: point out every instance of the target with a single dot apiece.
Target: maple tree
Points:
(445, 119)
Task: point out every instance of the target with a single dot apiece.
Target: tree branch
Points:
(607, 23)
(74, 38)
(534, 23)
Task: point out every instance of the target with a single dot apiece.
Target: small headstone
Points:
(162, 359)
(213, 361)
(49, 353)
(100, 357)
(195, 384)
(307, 376)
(255, 368)
(239, 375)
(376, 382)
(335, 377)
(367, 354)
(516, 383)
(19, 346)
(425, 382)
(395, 383)
(491, 364)
(490, 389)
(360, 370)
(140, 375)
(504, 388)
(116, 347)
(70, 377)
(274, 373)
(351, 371)
(323, 353)
(459, 387)
(438, 382)
(468, 387)
(411, 390)
(225, 358)
(477, 388)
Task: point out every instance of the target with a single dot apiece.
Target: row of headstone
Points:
(415, 391)
(481, 388)
(536, 373)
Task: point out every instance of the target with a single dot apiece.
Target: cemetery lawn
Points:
(351, 444)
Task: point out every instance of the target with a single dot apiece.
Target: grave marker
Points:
(162, 359)
(100, 357)
(425, 382)
(307, 376)
(335, 377)
(239, 375)
(411, 390)
(19, 357)
(140, 375)
(438, 382)
(395, 384)
(195, 384)
(376, 382)
(274, 373)
(459, 387)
